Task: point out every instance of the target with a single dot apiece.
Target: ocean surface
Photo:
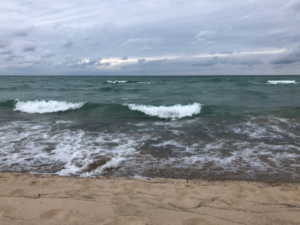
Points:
(211, 128)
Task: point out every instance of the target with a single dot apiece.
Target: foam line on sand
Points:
(29, 199)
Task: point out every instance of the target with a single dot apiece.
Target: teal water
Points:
(213, 128)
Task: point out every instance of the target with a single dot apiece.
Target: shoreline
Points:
(108, 177)
(262, 178)
(47, 199)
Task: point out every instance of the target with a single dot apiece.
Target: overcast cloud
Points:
(149, 37)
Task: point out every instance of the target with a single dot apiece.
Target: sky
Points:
(150, 37)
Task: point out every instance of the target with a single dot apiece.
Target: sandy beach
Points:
(30, 199)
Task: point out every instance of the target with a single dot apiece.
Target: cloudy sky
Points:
(149, 37)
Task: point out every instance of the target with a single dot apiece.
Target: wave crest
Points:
(42, 106)
(116, 81)
(168, 112)
(125, 81)
(282, 82)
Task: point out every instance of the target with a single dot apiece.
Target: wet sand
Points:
(29, 199)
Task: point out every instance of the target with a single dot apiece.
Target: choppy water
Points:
(214, 128)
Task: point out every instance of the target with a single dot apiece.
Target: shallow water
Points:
(240, 128)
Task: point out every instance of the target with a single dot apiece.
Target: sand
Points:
(30, 199)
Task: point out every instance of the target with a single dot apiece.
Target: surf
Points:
(43, 106)
(282, 82)
(168, 112)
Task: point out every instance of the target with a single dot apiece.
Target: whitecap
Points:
(116, 81)
(144, 82)
(168, 112)
(282, 82)
(42, 106)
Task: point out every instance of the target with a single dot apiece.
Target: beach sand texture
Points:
(29, 199)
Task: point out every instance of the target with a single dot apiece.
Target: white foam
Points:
(282, 82)
(125, 81)
(28, 145)
(42, 106)
(116, 81)
(166, 143)
(78, 153)
(113, 163)
(168, 112)
(53, 146)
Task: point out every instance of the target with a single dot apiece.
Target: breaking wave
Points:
(42, 106)
(125, 81)
(282, 82)
(168, 112)
(116, 81)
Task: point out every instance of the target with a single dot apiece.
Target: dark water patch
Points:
(7, 104)
(106, 89)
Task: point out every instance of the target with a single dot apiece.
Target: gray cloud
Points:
(67, 44)
(294, 5)
(205, 36)
(6, 52)
(154, 62)
(4, 42)
(144, 48)
(47, 54)
(141, 60)
(147, 64)
(70, 37)
(222, 52)
(21, 32)
(140, 40)
(288, 57)
(29, 48)
(232, 61)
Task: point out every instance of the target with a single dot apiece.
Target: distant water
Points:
(213, 128)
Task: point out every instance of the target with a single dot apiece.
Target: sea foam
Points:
(281, 82)
(168, 112)
(116, 81)
(42, 106)
(125, 81)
